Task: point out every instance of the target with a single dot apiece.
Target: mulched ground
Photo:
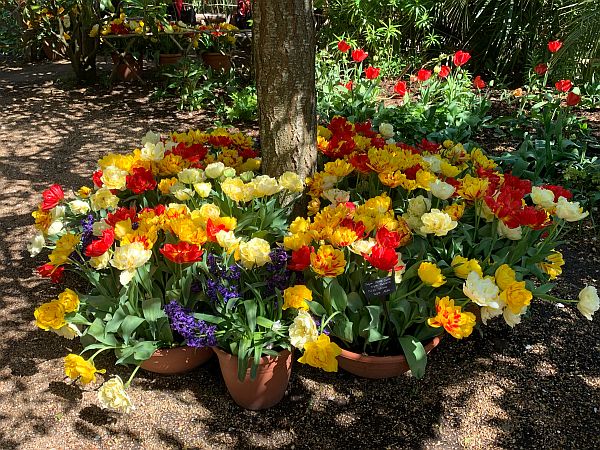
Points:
(535, 386)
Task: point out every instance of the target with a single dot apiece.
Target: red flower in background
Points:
(478, 82)
(300, 259)
(182, 252)
(359, 55)
(97, 178)
(573, 99)
(383, 258)
(343, 46)
(141, 181)
(348, 85)
(541, 69)
(52, 197)
(99, 247)
(563, 85)
(400, 88)
(554, 46)
(444, 71)
(461, 58)
(423, 74)
(372, 72)
(49, 271)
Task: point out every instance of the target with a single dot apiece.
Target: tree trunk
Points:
(284, 61)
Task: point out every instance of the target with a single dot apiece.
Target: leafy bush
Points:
(244, 105)
(344, 86)
(443, 101)
(10, 27)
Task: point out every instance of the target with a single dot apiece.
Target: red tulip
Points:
(383, 258)
(348, 85)
(52, 197)
(182, 252)
(121, 214)
(559, 191)
(423, 75)
(99, 247)
(461, 58)
(541, 69)
(300, 259)
(49, 271)
(212, 230)
(386, 238)
(554, 46)
(372, 72)
(141, 181)
(563, 85)
(400, 88)
(359, 55)
(444, 71)
(573, 99)
(478, 82)
(343, 46)
(97, 178)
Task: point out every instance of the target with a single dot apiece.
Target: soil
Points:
(534, 386)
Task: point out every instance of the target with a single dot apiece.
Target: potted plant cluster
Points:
(403, 242)
(217, 42)
(185, 246)
(177, 242)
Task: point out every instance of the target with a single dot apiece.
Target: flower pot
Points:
(130, 71)
(269, 386)
(378, 366)
(171, 361)
(169, 59)
(217, 61)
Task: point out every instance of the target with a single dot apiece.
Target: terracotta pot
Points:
(217, 61)
(128, 72)
(169, 59)
(269, 386)
(171, 361)
(378, 366)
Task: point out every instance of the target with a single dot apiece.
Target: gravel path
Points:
(537, 386)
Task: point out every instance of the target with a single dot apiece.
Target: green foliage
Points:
(581, 50)
(10, 28)
(244, 105)
(386, 28)
(342, 88)
(439, 109)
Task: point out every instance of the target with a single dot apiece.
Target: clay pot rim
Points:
(162, 352)
(265, 361)
(394, 359)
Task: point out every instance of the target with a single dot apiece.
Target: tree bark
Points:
(284, 61)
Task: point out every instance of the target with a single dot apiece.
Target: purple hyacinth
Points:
(195, 332)
(318, 324)
(280, 279)
(279, 258)
(87, 234)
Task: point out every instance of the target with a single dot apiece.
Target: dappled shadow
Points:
(533, 386)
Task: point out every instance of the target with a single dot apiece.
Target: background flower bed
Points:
(477, 392)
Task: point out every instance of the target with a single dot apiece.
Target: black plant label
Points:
(379, 288)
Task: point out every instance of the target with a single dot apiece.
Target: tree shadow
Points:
(535, 385)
